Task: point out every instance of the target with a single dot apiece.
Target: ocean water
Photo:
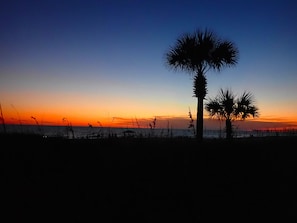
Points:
(105, 132)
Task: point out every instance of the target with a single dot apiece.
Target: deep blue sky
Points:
(105, 59)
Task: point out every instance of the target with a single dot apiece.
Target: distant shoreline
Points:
(90, 132)
(35, 141)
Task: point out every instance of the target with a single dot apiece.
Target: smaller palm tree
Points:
(229, 108)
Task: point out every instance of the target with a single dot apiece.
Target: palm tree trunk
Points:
(228, 129)
(199, 132)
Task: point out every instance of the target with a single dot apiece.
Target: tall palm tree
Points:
(197, 53)
(229, 108)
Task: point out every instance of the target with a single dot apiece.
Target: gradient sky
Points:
(102, 62)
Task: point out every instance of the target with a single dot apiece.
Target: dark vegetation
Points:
(148, 180)
(197, 53)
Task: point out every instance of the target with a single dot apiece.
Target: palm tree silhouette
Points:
(197, 53)
(229, 108)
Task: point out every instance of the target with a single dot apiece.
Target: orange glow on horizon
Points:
(80, 116)
(161, 121)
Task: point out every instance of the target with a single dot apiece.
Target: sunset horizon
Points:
(10, 117)
(148, 110)
(103, 63)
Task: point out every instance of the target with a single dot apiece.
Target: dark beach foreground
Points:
(148, 180)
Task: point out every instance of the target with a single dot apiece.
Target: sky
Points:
(103, 62)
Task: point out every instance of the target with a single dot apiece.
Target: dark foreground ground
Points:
(148, 180)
